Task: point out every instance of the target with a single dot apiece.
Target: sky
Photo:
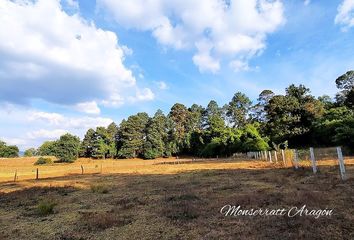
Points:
(71, 65)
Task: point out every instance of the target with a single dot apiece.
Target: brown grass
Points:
(175, 201)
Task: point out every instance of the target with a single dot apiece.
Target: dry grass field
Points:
(158, 199)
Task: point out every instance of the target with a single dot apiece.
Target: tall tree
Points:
(156, 136)
(133, 135)
(67, 148)
(238, 109)
(291, 116)
(179, 116)
(345, 83)
(86, 146)
(258, 113)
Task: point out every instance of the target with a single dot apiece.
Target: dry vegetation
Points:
(136, 199)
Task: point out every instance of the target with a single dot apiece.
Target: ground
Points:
(160, 199)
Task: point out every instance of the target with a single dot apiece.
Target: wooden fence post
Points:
(37, 174)
(82, 170)
(266, 155)
(15, 178)
(296, 159)
(275, 156)
(283, 156)
(341, 163)
(270, 157)
(313, 160)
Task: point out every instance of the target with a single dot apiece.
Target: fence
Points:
(311, 158)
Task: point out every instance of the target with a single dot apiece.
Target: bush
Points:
(46, 207)
(99, 189)
(43, 160)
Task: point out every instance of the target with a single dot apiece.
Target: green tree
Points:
(238, 109)
(251, 140)
(86, 146)
(30, 152)
(133, 135)
(67, 148)
(291, 117)
(258, 112)
(345, 83)
(156, 136)
(179, 116)
(48, 148)
(8, 151)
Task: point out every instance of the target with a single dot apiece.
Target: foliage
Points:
(238, 109)
(346, 84)
(43, 160)
(30, 152)
(156, 135)
(46, 207)
(67, 147)
(8, 151)
(48, 148)
(133, 135)
(295, 119)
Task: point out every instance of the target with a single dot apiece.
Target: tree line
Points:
(295, 119)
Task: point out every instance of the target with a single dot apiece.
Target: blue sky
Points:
(66, 66)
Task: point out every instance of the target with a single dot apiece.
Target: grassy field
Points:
(159, 199)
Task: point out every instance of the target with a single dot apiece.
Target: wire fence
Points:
(313, 159)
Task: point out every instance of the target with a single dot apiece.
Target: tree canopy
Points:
(297, 118)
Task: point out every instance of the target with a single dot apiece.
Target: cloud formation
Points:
(345, 15)
(45, 53)
(215, 29)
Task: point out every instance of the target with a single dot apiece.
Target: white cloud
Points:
(345, 15)
(29, 128)
(72, 3)
(46, 134)
(203, 60)
(215, 29)
(143, 95)
(58, 57)
(127, 51)
(59, 120)
(88, 107)
(13, 141)
(161, 85)
(51, 118)
(238, 65)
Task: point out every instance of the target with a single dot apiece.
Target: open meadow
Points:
(160, 199)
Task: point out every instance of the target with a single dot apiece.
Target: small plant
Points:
(46, 207)
(99, 189)
(43, 160)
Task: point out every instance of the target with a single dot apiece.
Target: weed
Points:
(46, 207)
(102, 189)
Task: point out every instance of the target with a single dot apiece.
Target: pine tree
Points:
(133, 135)
(86, 146)
(156, 135)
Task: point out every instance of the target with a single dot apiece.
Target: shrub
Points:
(43, 160)
(46, 207)
(99, 189)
